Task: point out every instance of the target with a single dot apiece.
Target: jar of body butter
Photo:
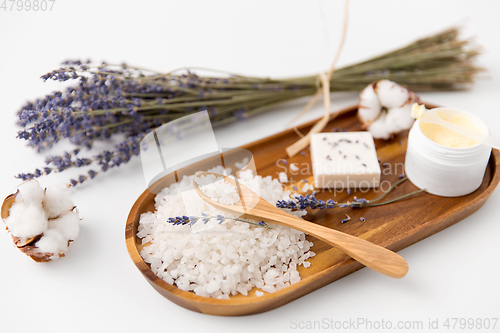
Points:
(444, 162)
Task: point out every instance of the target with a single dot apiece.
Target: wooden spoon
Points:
(252, 206)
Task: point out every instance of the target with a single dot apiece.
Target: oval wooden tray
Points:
(394, 226)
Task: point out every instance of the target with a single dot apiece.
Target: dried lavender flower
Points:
(106, 100)
(191, 220)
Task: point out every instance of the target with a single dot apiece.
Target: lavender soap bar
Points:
(344, 160)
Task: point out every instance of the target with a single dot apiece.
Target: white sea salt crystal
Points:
(269, 288)
(220, 260)
(218, 189)
(259, 293)
(211, 287)
(307, 187)
(283, 177)
(242, 164)
(294, 167)
(294, 276)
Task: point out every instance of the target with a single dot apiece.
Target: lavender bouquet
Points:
(108, 100)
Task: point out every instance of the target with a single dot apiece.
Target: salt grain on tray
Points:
(219, 260)
(283, 178)
(217, 189)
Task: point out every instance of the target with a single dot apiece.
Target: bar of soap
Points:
(344, 160)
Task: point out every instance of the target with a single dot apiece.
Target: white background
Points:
(455, 273)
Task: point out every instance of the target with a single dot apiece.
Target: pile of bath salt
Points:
(43, 222)
(218, 189)
(219, 260)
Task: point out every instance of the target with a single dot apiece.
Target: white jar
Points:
(446, 171)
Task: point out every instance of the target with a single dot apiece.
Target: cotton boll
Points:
(394, 111)
(30, 192)
(32, 223)
(67, 225)
(378, 128)
(26, 221)
(52, 242)
(57, 201)
(399, 119)
(391, 94)
(369, 105)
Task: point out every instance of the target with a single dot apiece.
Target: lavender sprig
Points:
(300, 202)
(310, 201)
(191, 220)
(105, 160)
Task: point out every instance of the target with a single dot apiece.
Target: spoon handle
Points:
(489, 140)
(371, 255)
(252, 206)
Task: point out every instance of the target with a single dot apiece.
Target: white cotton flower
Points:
(30, 192)
(67, 225)
(42, 222)
(390, 94)
(399, 119)
(57, 201)
(378, 128)
(52, 242)
(385, 108)
(26, 220)
(369, 106)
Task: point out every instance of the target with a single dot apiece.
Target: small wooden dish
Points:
(393, 226)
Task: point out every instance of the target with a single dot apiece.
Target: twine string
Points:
(324, 89)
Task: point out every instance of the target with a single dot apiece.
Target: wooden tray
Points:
(394, 226)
